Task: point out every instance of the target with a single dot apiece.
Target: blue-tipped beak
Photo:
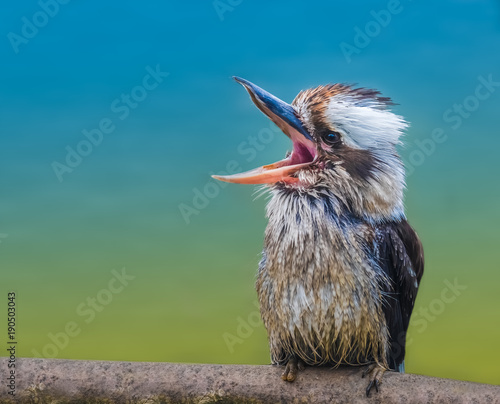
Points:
(285, 117)
(278, 111)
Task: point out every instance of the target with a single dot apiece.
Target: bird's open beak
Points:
(285, 117)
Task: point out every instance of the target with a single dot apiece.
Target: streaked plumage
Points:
(341, 265)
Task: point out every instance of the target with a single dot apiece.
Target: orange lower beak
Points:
(269, 174)
(285, 116)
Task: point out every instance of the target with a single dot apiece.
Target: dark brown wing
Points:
(400, 255)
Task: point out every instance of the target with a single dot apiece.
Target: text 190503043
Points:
(11, 342)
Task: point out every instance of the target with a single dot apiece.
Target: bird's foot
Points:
(292, 368)
(376, 372)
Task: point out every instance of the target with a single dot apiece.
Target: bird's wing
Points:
(400, 255)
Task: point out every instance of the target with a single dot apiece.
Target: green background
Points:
(193, 290)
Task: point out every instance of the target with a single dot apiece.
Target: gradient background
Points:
(120, 206)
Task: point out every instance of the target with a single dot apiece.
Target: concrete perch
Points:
(71, 381)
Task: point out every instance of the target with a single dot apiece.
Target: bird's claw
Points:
(377, 372)
(292, 368)
(373, 383)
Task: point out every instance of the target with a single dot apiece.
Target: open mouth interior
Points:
(285, 117)
(302, 156)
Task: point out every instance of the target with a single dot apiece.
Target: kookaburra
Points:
(341, 266)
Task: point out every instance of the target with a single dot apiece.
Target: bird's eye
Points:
(332, 138)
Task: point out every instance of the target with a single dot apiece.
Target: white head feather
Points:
(365, 123)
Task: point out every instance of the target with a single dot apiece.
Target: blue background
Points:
(192, 297)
